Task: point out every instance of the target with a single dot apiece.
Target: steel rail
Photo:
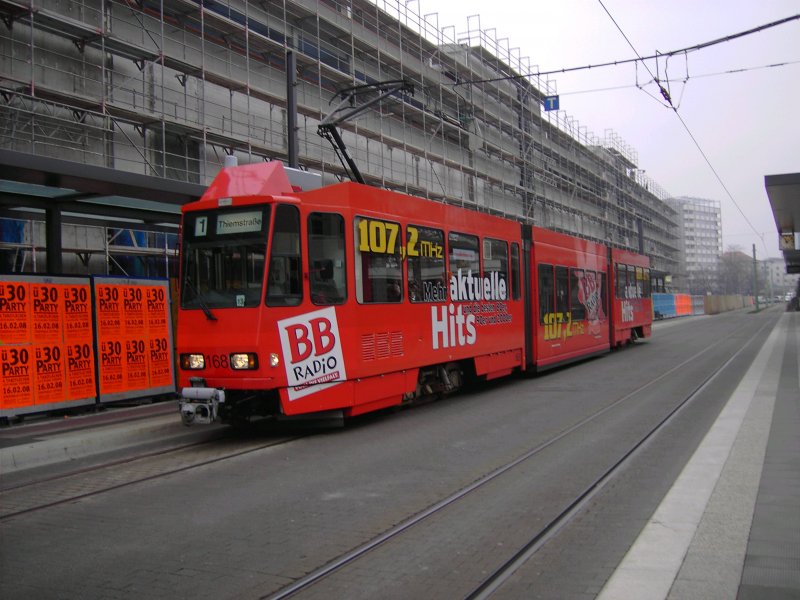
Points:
(103, 465)
(548, 530)
(134, 480)
(508, 568)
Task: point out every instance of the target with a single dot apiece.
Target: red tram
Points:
(348, 299)
(632, 308)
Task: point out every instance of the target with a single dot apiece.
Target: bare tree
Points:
(736, 273)
(703, 281)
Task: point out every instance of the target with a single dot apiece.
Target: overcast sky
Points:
(746, 123)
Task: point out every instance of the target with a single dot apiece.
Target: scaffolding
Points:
(89, 249)
(170, 88)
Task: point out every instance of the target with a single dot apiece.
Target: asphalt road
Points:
(247, 526)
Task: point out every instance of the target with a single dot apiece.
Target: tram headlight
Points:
(274, 360)
(192, 362)
(244, 361)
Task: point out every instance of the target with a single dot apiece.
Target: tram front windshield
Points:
(223, 258)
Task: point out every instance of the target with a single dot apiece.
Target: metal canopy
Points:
(80, 182)
(784, 197)
(29, 182)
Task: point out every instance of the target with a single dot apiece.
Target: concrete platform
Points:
(730, 525)
(50, 441)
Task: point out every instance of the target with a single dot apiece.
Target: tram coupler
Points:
(200, 405)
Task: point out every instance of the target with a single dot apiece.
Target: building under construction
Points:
(169, 89)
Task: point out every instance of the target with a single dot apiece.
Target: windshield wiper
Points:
(206, 311)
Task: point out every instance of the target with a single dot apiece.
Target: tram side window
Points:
(327, 271)
(562, 291)
(495, 260)
(284, 283)
(579, 293)
(639, 282)
(379, 265)
(621, 277)
(515, 283)
(646, 283)
(464, 257)
(426, 267)
(546, 292)
(631, 289)
(603, 310)
(654, 289)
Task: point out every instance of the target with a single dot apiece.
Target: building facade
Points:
(171, 88)
(700, 227)
(779, 282)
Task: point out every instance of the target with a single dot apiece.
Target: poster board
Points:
(46, 344)
(134, 338)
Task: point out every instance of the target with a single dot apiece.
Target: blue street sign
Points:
(550, 103)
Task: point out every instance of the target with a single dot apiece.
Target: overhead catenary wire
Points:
(667, 97)
(719, 179)
(637, 59)
(662, 89)
(682, 79)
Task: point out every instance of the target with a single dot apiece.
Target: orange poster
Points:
(80, 370)
(133, 310)
(160, 363)
(157, 311)
(109, 311)
(77, 313)
(46, 310)
(135, 365)
(17, 379)
(43, 320)
(112, 367)
(14, 313)
(134, 343)
(50, 374)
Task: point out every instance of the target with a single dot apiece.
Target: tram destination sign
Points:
(240, 222)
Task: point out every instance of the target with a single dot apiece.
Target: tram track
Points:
(55, 490)
(387, 540)
(512, 565)
(548, 530)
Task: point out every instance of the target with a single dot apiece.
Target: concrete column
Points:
(53, 239)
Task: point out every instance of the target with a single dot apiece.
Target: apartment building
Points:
(700, 227)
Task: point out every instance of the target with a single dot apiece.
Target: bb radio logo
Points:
(312, 352)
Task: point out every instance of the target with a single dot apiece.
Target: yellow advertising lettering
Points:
(559, 326)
